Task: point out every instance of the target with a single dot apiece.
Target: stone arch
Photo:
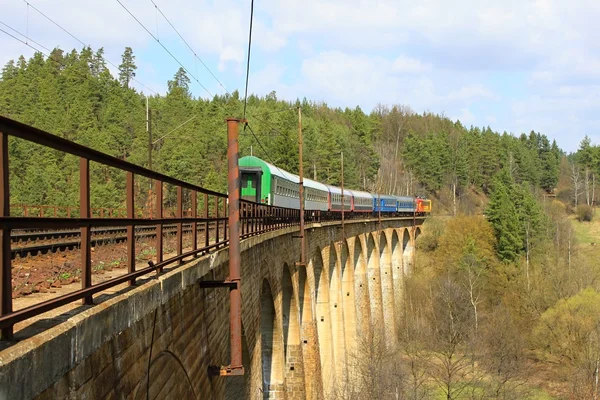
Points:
(361, 290)
(323, 317)
(407, 251)
(374, 279)
(271, 345)
(348, 297)
(292, 351)
(417, 232)
(336, 311)
(387, 288)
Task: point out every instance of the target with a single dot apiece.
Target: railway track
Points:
(34, 236)
(98, 238)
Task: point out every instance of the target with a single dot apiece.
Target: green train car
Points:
(262, 182)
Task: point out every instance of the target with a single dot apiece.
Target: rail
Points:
(208, 209)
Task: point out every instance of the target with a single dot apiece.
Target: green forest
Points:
(391, 149)
(503, 301)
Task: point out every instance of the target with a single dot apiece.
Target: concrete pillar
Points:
(398, 277)
(387, 290)
(271, 346)
(309, 338)
(337, 315)
(407, 252)
(374, 279)
(323, 319)
(294, 365)
(361, 290)
(348, 299)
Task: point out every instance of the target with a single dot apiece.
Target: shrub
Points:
(585, 213)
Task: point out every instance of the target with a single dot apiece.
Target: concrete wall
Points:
(157, 340)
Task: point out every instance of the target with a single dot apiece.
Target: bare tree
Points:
(504, 357)
(576, 180)
(452, 366)
(374, 371)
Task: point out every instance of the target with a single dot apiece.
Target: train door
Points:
(250, 185)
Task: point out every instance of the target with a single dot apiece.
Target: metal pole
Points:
(343, 232)
(235, 298)
(379, 207)
(130, 201)
(149, 130)
(85, 213)
(301, 184)
(5, 254)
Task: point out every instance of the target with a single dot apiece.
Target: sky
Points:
(514, 66)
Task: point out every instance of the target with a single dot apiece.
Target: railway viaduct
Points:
(159, 339)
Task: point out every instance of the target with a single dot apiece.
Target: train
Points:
(262, 182)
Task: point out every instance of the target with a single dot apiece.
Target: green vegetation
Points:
(391, 149)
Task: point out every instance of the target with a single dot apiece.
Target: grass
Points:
(586, 232)
(534, 394)
(539, 394)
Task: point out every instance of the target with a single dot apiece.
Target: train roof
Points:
(334, 189)
(405, 198)
(383, 196)
(252, 161)
(315, 185)
(360, 194)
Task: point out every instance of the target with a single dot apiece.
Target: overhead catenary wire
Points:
(247, 125)
(248, 62)
(189, 47)
(27, 39)
(80, 41)
(165, 48)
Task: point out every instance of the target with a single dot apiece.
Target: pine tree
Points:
(127, 67)
(503, 216)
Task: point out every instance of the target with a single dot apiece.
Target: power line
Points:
(25, 43)
(248, 63)
(26, 38)
(78, 40)
(189, 47)
(163, 46)
(246, 125)
(273, 112)
(55, 23)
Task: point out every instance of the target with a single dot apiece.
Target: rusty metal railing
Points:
(211, 215)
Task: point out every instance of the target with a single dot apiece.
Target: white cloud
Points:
(471, 93)
(466, 117)
(408, 65)
(431, 55)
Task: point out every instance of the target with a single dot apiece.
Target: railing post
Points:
(194, 224)
(217, 222)
(244, 217)
(179, 212)
(225, 224)
(158, 189)
(5, 256)
(84, 213)
(130, 228)
(206, 224)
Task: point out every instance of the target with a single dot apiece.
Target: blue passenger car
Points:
(406, 204)
(385, 202)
